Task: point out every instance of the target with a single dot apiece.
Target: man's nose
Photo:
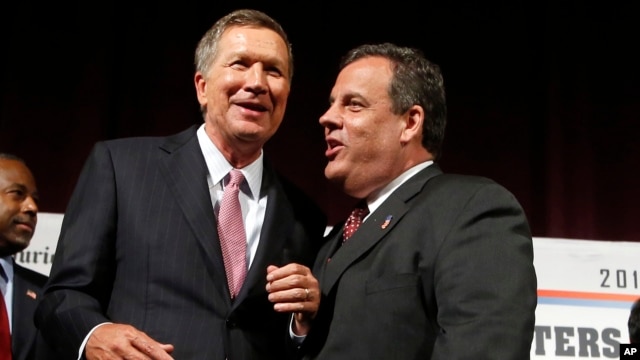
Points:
(330, 117)
(29, 205)
(256, 80)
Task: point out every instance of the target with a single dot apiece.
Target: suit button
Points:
(231, 323)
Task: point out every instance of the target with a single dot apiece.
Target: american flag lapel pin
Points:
(32, 294)
(386, 222)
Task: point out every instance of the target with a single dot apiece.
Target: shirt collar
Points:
(7, 265)
(219, 167)
(377, 198)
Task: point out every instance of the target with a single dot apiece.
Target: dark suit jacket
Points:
(449, 277)
(139, 246)
(27, 291)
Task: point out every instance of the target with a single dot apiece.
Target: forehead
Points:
(254, 40)
(366, 75)
(15, 172)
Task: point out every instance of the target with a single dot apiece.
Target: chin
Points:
(330, 171)
(335, 175)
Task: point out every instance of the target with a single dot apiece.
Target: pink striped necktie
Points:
(233, 239)
(355, 219)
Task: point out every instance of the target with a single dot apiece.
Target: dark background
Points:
(543, 97)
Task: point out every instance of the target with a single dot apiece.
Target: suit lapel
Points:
(373, 229)
(25, 296)
(278, 218)
(369, 233)
(186, 171)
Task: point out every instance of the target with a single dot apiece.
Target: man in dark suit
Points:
(633, 323)
(442, 266)
(139, 270)
(21, 287)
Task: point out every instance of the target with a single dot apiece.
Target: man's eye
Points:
(238, 65)
(274, 72)
(16, 193)
(354, 105)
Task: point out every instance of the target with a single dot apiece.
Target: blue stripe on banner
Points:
(587, 303)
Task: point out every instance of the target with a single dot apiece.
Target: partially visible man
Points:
(141, 269)
(442, 265)
(21, 287)
(633, 323)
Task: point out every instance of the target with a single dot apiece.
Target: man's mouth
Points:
(253, 106)
(26, 225)
(333, 148)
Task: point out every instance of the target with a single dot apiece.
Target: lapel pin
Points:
(386, 222)
(31, 294)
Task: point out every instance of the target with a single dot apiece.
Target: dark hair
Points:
(416, 81)
(208, 45)
(634, 323)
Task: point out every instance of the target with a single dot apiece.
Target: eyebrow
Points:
(24, 188)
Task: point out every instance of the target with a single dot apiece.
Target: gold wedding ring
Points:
(307, 293)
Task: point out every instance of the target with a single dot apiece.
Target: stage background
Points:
(543, 96)
(585, 291)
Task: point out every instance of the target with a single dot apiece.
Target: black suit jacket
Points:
(139, 246)
(27, 291)
(443, 269)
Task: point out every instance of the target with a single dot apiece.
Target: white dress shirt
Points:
(253, 206)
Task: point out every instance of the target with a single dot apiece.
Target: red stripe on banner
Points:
(586, 295)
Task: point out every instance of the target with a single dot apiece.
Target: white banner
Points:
(585, 291)
(39, 255)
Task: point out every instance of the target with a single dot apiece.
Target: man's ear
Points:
(201, 88)
(414, 120)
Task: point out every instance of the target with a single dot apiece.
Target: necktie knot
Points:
(235, 178)
(354, 220)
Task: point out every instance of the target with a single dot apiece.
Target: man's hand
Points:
(292, 288)
(119, 341)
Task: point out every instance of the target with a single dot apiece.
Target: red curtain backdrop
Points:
(542, 98)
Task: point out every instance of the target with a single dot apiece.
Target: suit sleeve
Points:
(77, 293)
(484, 281)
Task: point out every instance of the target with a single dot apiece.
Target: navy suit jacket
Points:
(443, 269)
(27, 291)
(139, 246)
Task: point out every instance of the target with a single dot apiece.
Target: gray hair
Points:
(208, 46)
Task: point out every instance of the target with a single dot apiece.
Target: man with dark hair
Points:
(166, 242)
(429, 265)
(21, 287)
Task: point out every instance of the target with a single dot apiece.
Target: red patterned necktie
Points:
(5, 333)
(233, 239)
(354, 220)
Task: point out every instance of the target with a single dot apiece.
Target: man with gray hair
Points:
(166, 242)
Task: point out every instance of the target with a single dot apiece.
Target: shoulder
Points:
(302, 204)
(468, 189)
(459, 182)
(296, 195)
(131, 148)
(29, 276)
(169, 142)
